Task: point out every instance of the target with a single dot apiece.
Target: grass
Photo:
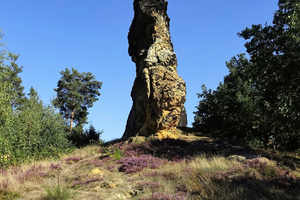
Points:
(117, 153)
(177, 170)
(6, 194)
(58, 192)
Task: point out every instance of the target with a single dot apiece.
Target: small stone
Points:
(132, 193)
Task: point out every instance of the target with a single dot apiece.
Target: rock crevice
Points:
(158, 93)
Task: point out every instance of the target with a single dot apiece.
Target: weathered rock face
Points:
(158, 93)
(183, 118)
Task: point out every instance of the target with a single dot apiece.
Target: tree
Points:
(9, 71)
(76, 92)
(230, 111)
(28, 129)
(275, 53)
(11, 91)
(37, 130)
(260, 98)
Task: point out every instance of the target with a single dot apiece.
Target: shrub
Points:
(83, 138)
(36, 131)
(136, 164)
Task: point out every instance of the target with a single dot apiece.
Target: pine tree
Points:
(76, 92)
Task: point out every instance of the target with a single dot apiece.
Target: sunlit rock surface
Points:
(158, 93)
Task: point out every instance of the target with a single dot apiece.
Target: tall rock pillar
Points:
(158, 93)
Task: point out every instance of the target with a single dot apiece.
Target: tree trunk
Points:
(71, 123)
(72, 117)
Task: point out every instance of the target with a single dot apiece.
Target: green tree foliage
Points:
(275, 51)
(9, 75)
(89, 136)
(229, 111)
(263, 91)
(35, 132)
(76, 92)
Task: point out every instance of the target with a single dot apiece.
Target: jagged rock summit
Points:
(158, 93)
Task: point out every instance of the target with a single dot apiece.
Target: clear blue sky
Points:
(91, 35)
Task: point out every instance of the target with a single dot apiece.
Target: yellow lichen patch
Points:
(5, 157)
(164, 134)
(96, 171)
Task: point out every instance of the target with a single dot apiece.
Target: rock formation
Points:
(183, 118)
(158, 93)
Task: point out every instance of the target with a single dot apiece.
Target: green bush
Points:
(82, 138)
(34, 131)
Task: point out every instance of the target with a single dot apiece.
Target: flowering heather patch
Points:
(149, 185)
(32, 173)
(100, 163)
(188, 170)
(111, 167)
(257, 168)
(177, 158)
(155, 166)
(221, 176)
(136, 164)
(134, 150)
(130, 154)
(152, 174)
(170, 176)
(87, 181)
(43, 174)
(165, 175)
(251, 169)
(97, 163)
(119, 144)
(160, 196)
(16, 170)
(72, 159)
(54, 166)
(255, 163)
(3, 172)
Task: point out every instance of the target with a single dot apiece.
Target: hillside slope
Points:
(191, 167)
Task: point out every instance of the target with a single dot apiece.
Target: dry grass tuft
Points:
(205, 163)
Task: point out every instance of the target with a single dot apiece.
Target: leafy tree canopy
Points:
(263, 91)
(9, 78)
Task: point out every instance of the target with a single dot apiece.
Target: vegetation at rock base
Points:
(259, 98)
(256, 106)
(191, 167)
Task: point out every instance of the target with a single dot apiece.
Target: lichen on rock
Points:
(158, 92)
